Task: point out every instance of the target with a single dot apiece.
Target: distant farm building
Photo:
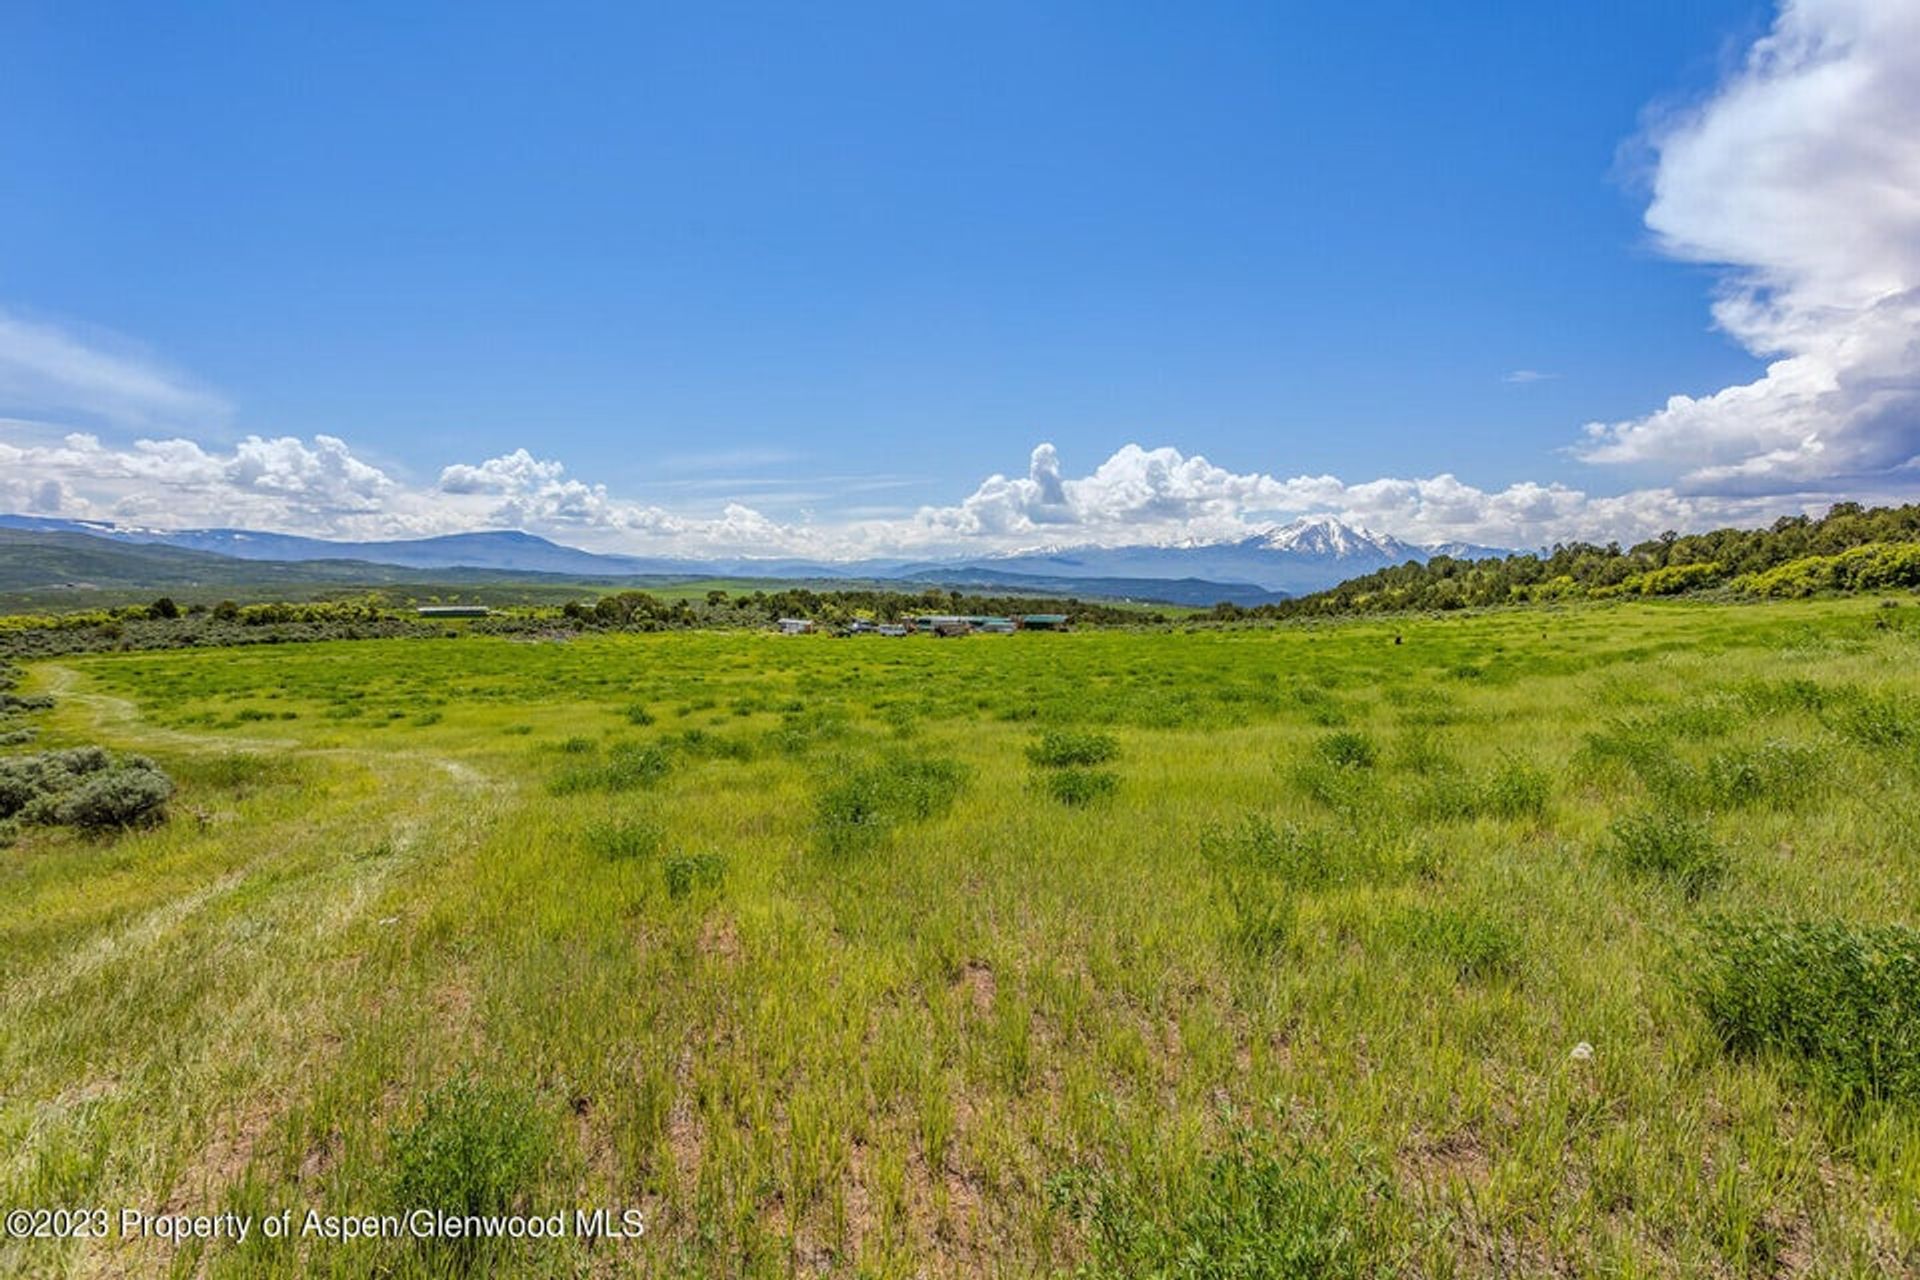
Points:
(453, 611)
(1042, 621)
(796, 626)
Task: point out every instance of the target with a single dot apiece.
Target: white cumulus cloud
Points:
(1800, 176)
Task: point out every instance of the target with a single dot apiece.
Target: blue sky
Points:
(836, 266)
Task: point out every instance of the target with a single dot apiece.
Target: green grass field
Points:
(1236, 953)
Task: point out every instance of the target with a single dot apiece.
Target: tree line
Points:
(1850, 548)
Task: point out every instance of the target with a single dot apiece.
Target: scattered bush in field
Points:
(1668, 843)
(1079, 786)
(801, 730)
(83, 787)
(476, 1148)
(1642, 750)
(1322, 707)
(686, 872)
(1348, 750)
(1301, 857)
(1059, 748)
(627, 766)
(1515, 789)
(1771, 697)
(1243, 1213)
(1475, 943)
(860, 809)
(577, 746)
(713, 746)
(1419, 750)
(1512, 789)
(1345, 790)
(632, 838)
(1706, 719)
(1774, 773)
(1876, 719)
(1841, 1000)
(637, 713)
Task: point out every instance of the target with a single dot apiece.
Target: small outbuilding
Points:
(453, 611)
(796, 626)
(1042, 622)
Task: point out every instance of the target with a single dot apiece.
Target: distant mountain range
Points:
(1305, 555)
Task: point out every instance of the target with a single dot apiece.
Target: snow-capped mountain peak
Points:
(1329, 536)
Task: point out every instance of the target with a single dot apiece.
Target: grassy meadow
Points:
(1444, 946)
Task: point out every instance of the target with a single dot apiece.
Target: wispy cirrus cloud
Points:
(49, 369)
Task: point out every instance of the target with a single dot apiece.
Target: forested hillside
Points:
(1851, 548)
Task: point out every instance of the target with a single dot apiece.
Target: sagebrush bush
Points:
(83, 787)
(1841, 1000)
(1668, 843)
(476, 1148)
(1060, 748)
(864, 805)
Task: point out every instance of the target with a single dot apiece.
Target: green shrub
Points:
(627, 766)
(1775, 773)
(1665, 842)
(1059, 748)
(619, 841)
(1300, 857)
(1840, 1000)
(1348, 750)
(1080, 786)
(475, 1148)
(637, 713)
(686, 872)
(1342, 789)
(1876, 719)
(1645, 752)
(1512, 789)
(1515, 789)
(1473, 942)
(865, 805)
(1772, 697)
(1243, 1214)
